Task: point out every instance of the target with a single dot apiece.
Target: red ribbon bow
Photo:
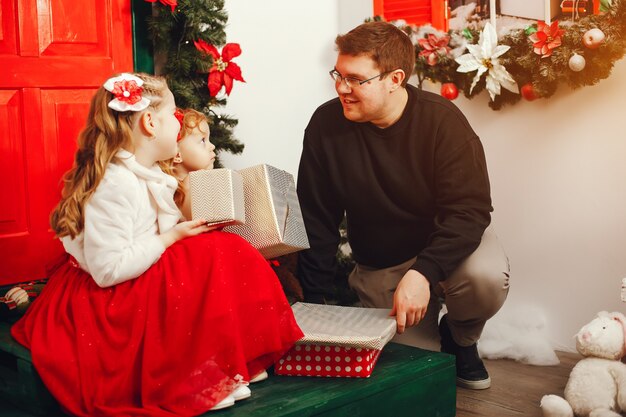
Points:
(171, 3)
(180, 116)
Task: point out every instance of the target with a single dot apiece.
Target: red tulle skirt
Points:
(174, 341)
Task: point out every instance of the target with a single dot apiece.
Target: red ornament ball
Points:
(449, 91)
(528, 92)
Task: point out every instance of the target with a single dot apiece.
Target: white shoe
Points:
(241, 393)
(229, 401)
(259, 377)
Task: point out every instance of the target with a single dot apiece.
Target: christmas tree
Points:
(185, 34)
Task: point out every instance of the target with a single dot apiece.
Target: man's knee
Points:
(480, 285)
(487, 281)
(487, 269)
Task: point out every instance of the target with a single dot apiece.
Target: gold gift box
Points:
(274, 223)
(217, 196)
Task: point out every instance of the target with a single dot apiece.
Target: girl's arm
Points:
(114, 252)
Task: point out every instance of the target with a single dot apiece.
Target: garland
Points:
(184, 34)
(528, 62)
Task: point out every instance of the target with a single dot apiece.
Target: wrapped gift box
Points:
(338, 341)
(530, 9)
(274, 223)
(217, 196)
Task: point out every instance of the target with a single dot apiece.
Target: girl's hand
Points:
(185, 229)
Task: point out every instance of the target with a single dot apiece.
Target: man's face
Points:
(368, 102)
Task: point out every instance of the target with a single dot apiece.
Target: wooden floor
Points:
(516, 389)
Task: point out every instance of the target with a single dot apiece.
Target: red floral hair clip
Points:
(127, 91)
(180, 116)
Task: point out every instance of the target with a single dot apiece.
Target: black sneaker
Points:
(470, 370)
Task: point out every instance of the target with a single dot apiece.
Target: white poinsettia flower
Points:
(483, 58)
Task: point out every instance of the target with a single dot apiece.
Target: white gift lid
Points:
(369, 328)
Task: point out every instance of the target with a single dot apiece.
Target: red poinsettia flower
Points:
(433, 47)
(223, 71)
(171, 3)
(127, 91)
(546, 38)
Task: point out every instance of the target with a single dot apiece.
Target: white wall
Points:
(557, 166)
(286, 55)
(558, 177)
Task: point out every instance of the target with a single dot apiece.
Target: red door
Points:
(53, 55)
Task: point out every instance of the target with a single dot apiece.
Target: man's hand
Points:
(410, 300)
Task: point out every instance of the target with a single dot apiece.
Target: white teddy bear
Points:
(597, 384)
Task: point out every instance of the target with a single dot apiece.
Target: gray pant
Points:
(473, 293)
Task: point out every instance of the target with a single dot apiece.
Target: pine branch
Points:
(526, 67)
(186, 68)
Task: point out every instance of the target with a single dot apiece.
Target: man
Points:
(410, 174)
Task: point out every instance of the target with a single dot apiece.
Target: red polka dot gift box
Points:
(320, 360)
(338, 341)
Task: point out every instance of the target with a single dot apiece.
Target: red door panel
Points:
(62, 28)
(12, 165)
(7, 27)
(53, 55)
(63, 113)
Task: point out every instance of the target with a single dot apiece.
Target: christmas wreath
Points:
(528, 61)
(185, 35)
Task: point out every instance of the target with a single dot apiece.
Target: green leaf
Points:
(530, 30)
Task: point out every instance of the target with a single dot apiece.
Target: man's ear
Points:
(178, 159)
(146, 124)
(397, 77)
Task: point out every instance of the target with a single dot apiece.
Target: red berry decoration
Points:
(528, 92)
(449, 91)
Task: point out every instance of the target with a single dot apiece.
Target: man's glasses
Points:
(352, 82)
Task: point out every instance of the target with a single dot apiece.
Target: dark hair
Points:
(388, 46)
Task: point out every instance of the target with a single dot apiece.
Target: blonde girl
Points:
(148, 315)
(195, 151)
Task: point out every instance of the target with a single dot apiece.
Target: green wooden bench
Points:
(19, 382)
(406, 382)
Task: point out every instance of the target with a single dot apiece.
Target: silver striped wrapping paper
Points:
(368, 328)
(274, 223)
(217, 196)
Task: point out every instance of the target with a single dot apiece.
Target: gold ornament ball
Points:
(577, 63)
(593, 38)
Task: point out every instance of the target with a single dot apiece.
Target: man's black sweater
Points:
(416, 188)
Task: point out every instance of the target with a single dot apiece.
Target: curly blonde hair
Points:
(106, 132)
(192, 119)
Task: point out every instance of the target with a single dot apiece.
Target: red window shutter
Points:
(416, 12)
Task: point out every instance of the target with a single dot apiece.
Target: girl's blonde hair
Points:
(192, 119)
(106, 132)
